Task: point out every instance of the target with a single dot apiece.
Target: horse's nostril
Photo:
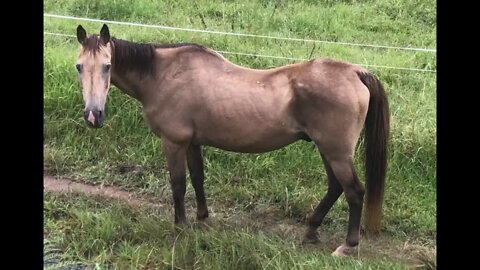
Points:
(90, 117)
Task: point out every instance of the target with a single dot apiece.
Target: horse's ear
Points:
(81, 34)
(104, 34)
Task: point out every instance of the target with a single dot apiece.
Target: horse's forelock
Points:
(92, 44)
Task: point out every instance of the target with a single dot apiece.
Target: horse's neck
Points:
(130, 68)
(127, 85)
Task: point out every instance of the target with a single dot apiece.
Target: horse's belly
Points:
(257, 140)
(251, 123)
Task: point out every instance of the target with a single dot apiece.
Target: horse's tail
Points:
(377, 129)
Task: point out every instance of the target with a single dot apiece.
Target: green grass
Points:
(115, 234)
(291, 180)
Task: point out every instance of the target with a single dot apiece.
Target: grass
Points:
(291, 180)
(115, 234)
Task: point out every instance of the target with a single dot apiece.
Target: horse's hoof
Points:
(343, 250)
(310, 238)
(202, 215)
(181, 225)
(310, 241)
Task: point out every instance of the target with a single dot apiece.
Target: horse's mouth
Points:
(94, 119)
(96, 125)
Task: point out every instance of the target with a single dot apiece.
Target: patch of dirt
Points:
(266, 219)
(65, 185)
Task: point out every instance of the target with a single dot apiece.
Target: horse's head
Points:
(93, 66)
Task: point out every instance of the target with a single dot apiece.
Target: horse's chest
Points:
(168, 124)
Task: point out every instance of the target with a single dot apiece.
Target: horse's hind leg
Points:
(195, 167)
(342, 167)
(333, 192)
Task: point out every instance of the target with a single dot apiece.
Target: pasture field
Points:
(258, 202)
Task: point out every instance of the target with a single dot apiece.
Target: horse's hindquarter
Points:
(331, 103)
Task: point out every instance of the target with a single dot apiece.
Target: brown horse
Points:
(192, 96)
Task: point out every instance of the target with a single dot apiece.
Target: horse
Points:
(192, 97)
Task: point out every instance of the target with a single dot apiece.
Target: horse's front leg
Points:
(176, 156)
(195, 166)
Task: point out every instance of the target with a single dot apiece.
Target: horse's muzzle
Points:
(94, 118)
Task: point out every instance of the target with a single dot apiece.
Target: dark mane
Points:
(128, 56)
(140, 56)
(133, 56)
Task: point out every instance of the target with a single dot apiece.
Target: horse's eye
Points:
(106, 67)
(79, 67)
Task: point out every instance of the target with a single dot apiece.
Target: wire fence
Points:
(235, 34)
(278, 57)
(251, 35)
